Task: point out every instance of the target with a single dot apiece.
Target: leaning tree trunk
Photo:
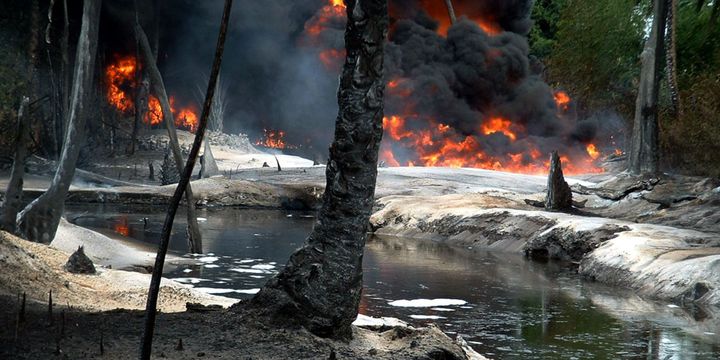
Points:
(14, 192)
(451, 11)
(320, 286)
(40, 219)
(671, 58)
(644, 156)
(194, 237)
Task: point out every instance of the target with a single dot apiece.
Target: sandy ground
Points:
(36, 269)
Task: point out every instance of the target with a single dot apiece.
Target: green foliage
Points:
(595, 57)
(697, 41)
(545, 16)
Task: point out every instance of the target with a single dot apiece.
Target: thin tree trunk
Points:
(65, 70)
(182, 187)
(194, 237)
(320, 286)
(714, 15)
(39, 220)
(671, 58)
(451, 11)
(54, 126)
(644, 156)
(14, 192)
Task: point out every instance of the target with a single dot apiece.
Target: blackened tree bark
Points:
(13, 194)
(559, 195)
(39, 220)
(644, 157)
(156, 81)
(320, 286)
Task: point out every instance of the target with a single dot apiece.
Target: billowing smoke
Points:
(458, 95)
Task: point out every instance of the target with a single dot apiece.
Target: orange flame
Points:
(497, 124)
(121, 226)
(333, 10)
(592, 151)
(562, 100)
(119, 76)
(274, 139)
(441, 145)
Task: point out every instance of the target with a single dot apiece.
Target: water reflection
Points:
(515, 308)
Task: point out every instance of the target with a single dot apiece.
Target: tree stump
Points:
(79, 263)
(559, 195)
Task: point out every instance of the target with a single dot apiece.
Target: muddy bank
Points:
(87, 308)
(211, 334)
(656, 261)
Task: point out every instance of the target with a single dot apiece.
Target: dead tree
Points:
(156, 81)
(183, 185)
(644, 157)
(142, 90)
(208, 165)
(451, 11)
(559, 195)
(320, 286)
(39, 220)
(14, 192)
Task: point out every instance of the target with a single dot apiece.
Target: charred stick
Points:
(153, 292)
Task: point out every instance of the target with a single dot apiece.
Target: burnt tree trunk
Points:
(644, 157)
(39, 220)
(14, 192)
(320, 286)
(194, 237)
(208, 165)
(671, 58)
(559, 195)
(183, 185)
(451, 11)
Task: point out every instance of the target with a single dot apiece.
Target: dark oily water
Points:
(504, 306)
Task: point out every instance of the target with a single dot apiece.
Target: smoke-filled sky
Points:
(461, 95)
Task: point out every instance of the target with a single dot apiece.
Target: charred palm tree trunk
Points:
(644, 156)
(320, 286)
(40, 219)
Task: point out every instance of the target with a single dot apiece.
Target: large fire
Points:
(121, 85)
(413, 138)
(416, 140)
